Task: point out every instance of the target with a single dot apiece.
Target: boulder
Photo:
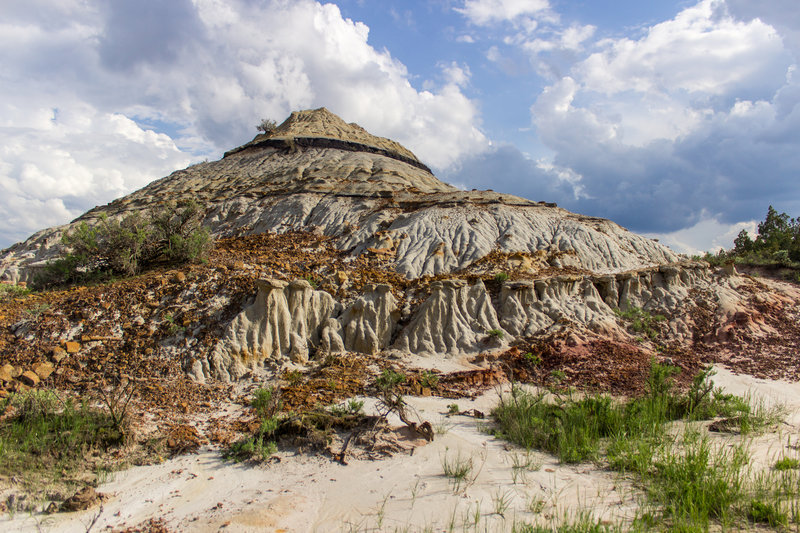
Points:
(72, 347)
(29, 378)
(43, 370)
(6, 372)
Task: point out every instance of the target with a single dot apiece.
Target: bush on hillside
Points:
(127, 246)
(266, 125)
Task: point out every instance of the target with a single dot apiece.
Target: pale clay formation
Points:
(316, 173)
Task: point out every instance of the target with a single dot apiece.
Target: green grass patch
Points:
(495, 333)
(767, 513)
(690, 482)
(573, 428)
(9, 292)
(44, 438)
(787, 463)
(257, 447)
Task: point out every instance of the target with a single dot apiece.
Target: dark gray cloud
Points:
(697, 120)
(505, 169)
(730, 170)
(147, 31)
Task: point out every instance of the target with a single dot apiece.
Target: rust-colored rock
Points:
(43, 370)
(58, 354)
(73, 347)
(29, 378)
(6, 372)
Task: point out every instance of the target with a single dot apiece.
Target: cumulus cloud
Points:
(482, 12)
(47, 178)
(687, 132)
(702, 50)
(697, 120)
(782, 15)
(86, 87)
(708, 235)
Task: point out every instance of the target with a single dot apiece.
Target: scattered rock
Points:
(182, 439)
(43, 370)
(6, 372)
(85, 498)
(29, 378)
(58, 354)
(72, 347)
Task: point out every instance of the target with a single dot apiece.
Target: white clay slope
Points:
(368, 193)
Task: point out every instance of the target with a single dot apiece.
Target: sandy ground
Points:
(407, 492)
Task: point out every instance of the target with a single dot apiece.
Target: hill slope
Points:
(314, 172)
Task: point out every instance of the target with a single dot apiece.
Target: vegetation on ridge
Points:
(777, 243)
(127, 246)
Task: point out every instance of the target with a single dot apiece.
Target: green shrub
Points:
(641, 321)
(267, 403)
(767, 513)
(126, 246)
(351, 407)
(787, 463)
(498, 333)
(257, 447)
(429, 379)
(532, 358)
(389, 380)
(7, 292)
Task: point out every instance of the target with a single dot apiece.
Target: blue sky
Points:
(678, 119)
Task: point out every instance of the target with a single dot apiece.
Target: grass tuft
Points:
(787, 463)
(690, 483)
(47, 437)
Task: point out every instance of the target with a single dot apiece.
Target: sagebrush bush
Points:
(127, 246)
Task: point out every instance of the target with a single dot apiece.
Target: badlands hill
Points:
(338, 255)
(378, 255)
(317, 173)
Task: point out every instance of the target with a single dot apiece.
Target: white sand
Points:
(405, 492)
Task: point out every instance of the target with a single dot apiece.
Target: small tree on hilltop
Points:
(743, 243)
(775, 232)
(266, 125)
